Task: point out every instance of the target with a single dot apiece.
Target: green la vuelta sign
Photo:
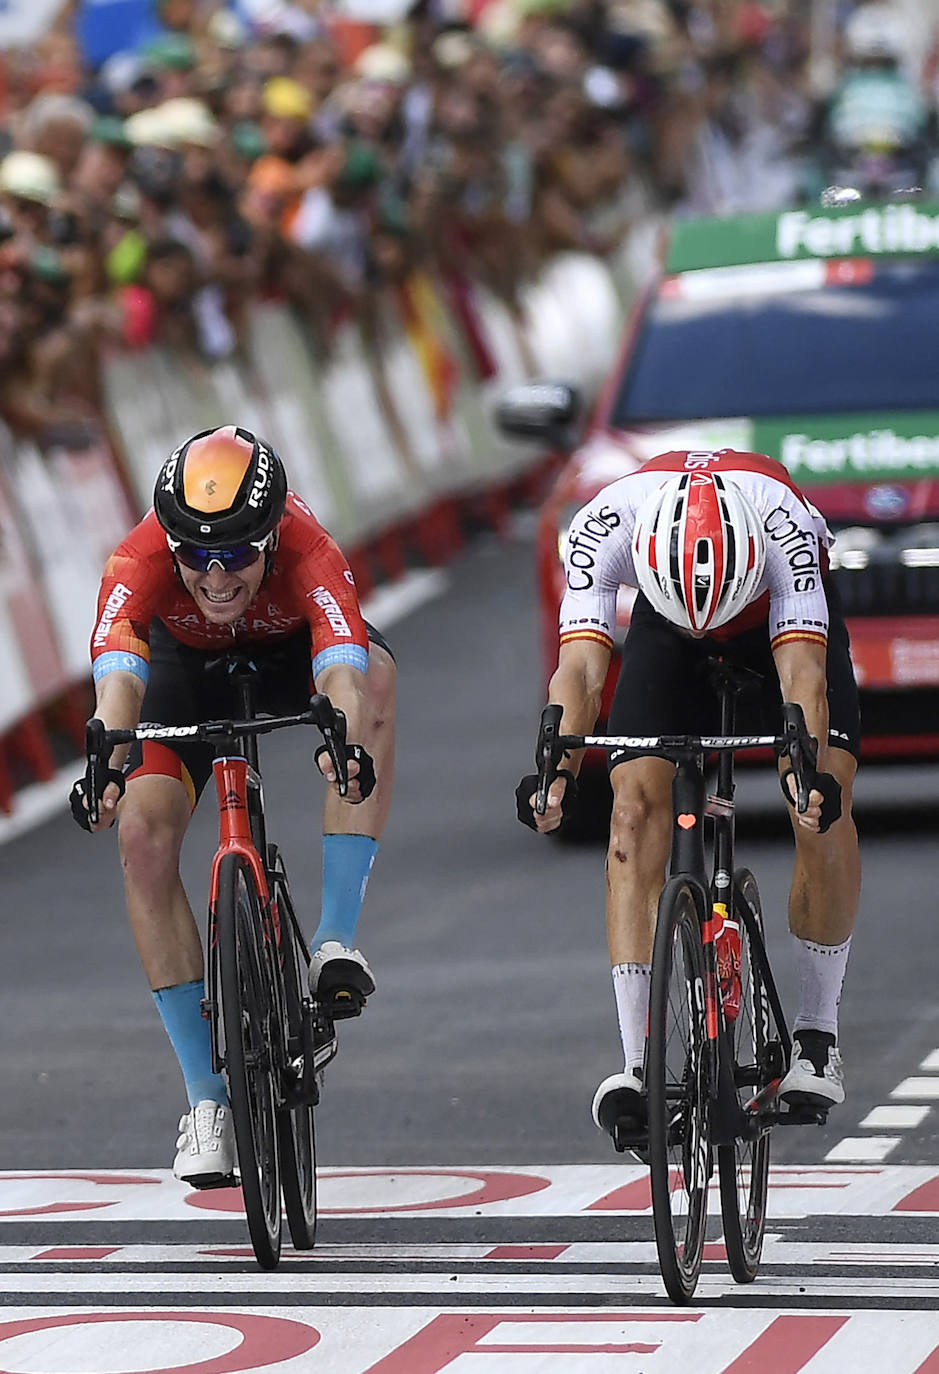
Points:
(853, 448)
(904, 229)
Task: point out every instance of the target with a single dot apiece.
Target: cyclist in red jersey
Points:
(729, 559)
(229, 557)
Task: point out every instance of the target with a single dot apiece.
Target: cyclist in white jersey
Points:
(729, 559)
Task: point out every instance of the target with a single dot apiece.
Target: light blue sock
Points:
(180, 1009)
(347, 863)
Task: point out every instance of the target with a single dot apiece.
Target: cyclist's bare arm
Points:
(118, 699)
(801, 666)
(577, 686)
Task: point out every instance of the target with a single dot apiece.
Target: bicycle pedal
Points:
(204, 1182)
(342, 1003)
(806, 1109)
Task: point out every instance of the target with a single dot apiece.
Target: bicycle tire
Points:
(245, 972)
(677, 1078)
(296, 1124)
(743, 1167)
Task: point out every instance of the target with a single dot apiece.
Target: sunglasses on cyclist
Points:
(231, 560)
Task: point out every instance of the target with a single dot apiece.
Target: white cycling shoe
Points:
(205, 1150)
(340, 979)
(815, 1077)
(618, 1100)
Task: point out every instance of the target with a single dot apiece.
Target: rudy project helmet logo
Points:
(262, 480)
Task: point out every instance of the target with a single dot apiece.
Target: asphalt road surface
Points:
(494, 1019)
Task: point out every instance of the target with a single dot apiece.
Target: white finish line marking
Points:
(927, 1088)
(897, 1118)
(563, 1190)
(494, 1340)
(863, 1148)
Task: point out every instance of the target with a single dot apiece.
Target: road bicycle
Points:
(269, 1037)
(716, 1049)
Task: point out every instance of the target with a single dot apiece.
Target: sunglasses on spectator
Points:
(229, 560)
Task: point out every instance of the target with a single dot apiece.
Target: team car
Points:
(811, 335)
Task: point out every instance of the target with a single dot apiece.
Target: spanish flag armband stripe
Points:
(799, 637)
(595, 637)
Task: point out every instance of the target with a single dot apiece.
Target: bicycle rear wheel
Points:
(295, 1123)
(677, 1079)
(743, 1167)
(245, 974)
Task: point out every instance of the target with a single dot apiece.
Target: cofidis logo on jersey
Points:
(584, 540)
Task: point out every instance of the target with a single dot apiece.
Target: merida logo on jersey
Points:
(799, 546)
(583, 541)
(112, 608)
(333, 612)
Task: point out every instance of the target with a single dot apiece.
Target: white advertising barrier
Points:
(573, 318)
(154, 400)
(375, 433)
(296, 423)
(387, 485)
(75, 512)
(31, 668)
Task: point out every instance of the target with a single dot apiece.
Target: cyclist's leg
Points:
(162, 789)
(651, 698)
(823, 901)
(351, 836)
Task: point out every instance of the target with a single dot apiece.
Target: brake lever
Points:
(802, 751)
(548, 753)
(332, 726)
(98, 755)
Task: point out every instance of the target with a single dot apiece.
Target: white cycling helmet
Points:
(698, 550)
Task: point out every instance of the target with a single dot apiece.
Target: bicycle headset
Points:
(220, 497)
(698, 550)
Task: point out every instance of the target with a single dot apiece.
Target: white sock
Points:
(821, 975)
(631, 990)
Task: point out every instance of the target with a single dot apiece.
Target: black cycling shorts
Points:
(183, 689)
(663, 687)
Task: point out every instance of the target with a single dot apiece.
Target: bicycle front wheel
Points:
(743, 1167)
(245, 975)
(295, 1122)
(677, 1080)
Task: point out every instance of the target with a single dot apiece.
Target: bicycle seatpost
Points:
(547, 754)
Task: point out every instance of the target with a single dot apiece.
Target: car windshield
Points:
(822, 351)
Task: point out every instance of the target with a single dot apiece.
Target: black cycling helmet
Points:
(221, 489)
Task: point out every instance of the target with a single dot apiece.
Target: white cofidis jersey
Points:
(790, 599)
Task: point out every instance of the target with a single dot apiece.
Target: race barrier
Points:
(389, 438)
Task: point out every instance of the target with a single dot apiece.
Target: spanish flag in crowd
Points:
(424, 322)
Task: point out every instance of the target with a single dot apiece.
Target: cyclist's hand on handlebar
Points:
(824, 806)
(361, 767)
(108, 800)
(562, 795)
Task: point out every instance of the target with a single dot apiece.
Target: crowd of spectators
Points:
(286, 151)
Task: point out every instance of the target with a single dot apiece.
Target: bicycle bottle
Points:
(727, 951)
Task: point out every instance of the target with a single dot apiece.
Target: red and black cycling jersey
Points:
(309, 583)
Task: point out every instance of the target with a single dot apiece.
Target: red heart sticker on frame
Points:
(687, 822)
